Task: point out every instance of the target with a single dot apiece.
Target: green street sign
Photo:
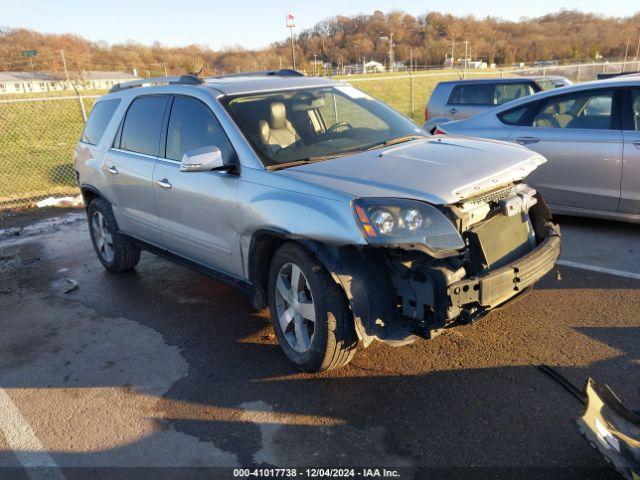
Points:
(29, 53)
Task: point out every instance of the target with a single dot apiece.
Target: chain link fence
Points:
(408, 92)
(37, 139)
(38, 135)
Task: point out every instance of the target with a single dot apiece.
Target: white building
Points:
(373, 66)
(34, 82)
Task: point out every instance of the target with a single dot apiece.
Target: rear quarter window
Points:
(515, 116)
(100, 116)
(472, 95)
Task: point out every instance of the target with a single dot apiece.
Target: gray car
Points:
(590, 135)
(459, 99)
(339, 214)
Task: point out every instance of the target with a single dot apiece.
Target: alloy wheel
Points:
(295, 307)
(102, 236)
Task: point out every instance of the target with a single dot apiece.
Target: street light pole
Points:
(293, 48)
(290, 25)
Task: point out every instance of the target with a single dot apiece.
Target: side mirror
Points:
(203, 159)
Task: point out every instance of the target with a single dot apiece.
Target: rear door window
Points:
(143, 125)
(100, 117)
(505, 92)
(472, 95)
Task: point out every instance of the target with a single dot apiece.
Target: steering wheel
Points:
(336, 126)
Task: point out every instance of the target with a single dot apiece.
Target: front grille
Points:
(498, 241)
(494, 196)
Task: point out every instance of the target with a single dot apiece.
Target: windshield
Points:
(312, 124)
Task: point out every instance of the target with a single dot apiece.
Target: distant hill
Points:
(426, 38)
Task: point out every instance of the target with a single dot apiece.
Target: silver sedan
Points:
(590, 135)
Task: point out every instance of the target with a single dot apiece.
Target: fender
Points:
(361, 272)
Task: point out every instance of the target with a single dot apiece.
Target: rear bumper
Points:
(498, 286)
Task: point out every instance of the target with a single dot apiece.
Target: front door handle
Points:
(636, 144)
(113, 170)
(527, 140)
(453, 110)
(164, 184)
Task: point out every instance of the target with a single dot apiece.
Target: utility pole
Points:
(315, 63)
(64, 64)
(638, 54)
(466, 53)
(391, 59)
(66, 73)
(164, 64)
(453, 47)
(291, 23)
(626, 52)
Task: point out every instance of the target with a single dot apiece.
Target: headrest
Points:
(263, 131)
(562, 107)
(278, 115)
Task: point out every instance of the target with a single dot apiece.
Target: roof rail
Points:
(283, 72)
(177, 80)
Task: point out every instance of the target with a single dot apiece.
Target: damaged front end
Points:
(398, 291)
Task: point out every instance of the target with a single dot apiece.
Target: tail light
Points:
(437, 131)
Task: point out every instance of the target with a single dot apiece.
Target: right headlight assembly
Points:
(401, 222)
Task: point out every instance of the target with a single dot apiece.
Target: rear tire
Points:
(116, 252)
(329, 340)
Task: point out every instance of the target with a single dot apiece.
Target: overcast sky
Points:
(249, 23)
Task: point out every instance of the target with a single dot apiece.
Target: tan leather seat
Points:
(278, 132)
(563, 115)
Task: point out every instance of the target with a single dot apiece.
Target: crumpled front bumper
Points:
(500, 285)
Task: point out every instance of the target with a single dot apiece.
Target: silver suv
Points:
(458, 99)
(342, 216)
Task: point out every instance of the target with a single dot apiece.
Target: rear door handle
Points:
(527, 140)
(113, 170)
(636, 144)
(164, 184)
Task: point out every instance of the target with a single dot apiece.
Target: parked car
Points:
(459, 99)
(590, 135)
(342, 216)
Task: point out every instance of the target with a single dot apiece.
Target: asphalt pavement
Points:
(163, 370)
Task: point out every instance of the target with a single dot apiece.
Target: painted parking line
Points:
(594, 268)
(24, 443)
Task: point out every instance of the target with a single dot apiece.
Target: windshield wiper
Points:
(312, 159)
(395, 141)
(282, 166)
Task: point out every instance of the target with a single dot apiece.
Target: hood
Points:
(438, 169)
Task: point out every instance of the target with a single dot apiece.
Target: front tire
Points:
(116, 252)
(309, 311)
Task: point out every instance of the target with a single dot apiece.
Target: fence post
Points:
(578, 74)
(82, 109)
(411, 94)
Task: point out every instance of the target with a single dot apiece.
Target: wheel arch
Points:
(89, 192)
(264, 244)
